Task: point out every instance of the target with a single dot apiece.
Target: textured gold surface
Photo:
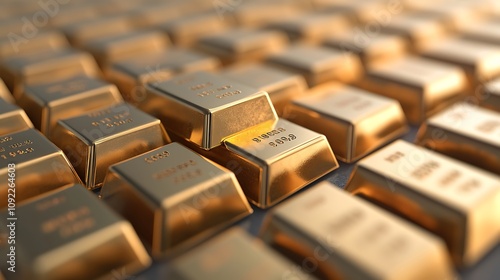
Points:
(12, 118)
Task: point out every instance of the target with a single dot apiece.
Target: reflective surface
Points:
(12, 118)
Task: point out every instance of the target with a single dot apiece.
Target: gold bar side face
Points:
(83, 239)
(173, 196)
(257, 261)
(354, 121)
(348, 242)
(454, 200)
(467, 133)
(98, 139)
(47, 103)
(281, 85)
(12, 118)
(5, 93)
(205, 108)
(422, 86)
(491, 94)
(39, 166)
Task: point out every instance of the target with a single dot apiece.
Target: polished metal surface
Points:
(12, 118)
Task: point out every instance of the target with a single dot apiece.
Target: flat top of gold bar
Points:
(308, 58)
(167, 171)
(25, 146)
(149, 40)
(465, 51)
(429, 172)
(243, 39)
(413, 24)
(109, 122)
(352, 39)
(470, 120)
(206, 91)
(344, 102)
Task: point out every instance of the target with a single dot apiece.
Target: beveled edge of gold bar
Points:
(13, 120)
(5, 93)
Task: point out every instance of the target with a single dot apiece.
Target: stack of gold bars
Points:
(249, 139)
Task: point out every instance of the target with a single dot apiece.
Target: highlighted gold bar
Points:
(12, 118)
(80, 32)
(205, 108)
(42, 41)
(281, 85)
(354, 121)
(82, 239)
(98, 139)
(174, 197)
(422, 86)
(5, 93)
(243, 45)
(47, 103)
(347, 238)
(239, 256)
(456, 201)
(132, 75)
(273, 161)
(467, 133)
(491, 92)
(319, 64)
(485, 31)
(261, 13)
(39, 166)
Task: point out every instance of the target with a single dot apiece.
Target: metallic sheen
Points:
(12, 118)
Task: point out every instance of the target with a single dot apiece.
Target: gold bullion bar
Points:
(174, 197)
(319, 64)
(422, 86)
(100, 138)
(467, 133)
(80, 32)
(69, 15)
(491, 94)
(5, 93)
(206, 108)
(455, 15)
(243, 44)
(12, 118)
(361, 11)
(46, 66)
(485, 31)
(154, 13)
(39, 166)
(132, 75)
(280, 84)
(44, 40)
(273, 161)
(239, 256)
(260, 13)
(70, 234)
(346, 238)
(456, 201)
(354, 121)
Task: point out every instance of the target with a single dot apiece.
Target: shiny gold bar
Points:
(70, 15)
(70, 234)
(467, 133)
(174, 197)
(370, 49)
(154, 13)
(206, 108)
(422, 86)
(5, 93)
(100, 138)
(491, 94)
(123, 46)
(360, 11)
(12, 118)
(354, 121)
(273, 161)
(42, 41)
(456, 201)
(486, 31)
(39, 166)
(319, 64)
(90, 29)
(243, 45)
(480, 61)
(239, 256)
(44, 67)
(132, 75)
(261, 13)
(454, 14)
(347, 238)
(281, 85)
(47, 103)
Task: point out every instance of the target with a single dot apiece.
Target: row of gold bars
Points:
(180, 113)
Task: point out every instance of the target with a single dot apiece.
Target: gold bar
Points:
(98, 139)
(467, 133)
(82, 239)
(273, 161)
(370, 49)
(491, 94)
(47, 103)
(239, 256)
(12, 118)
(80, 32)
(454, 14)
(487, 32)
(422, 86)
(243, 45)
(354, 121)
(261, 13)
(319, 64)
(174, 197)
(152, 14)
(73, 14)
(5, 93)
(344, 237)
(43, 41)
(456, 201)
(39, 165)
(206, 108)
(122, 46)
(361, 11)
(44, 67)
(281, 85)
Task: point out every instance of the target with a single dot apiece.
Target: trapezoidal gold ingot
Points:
(12, 118)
